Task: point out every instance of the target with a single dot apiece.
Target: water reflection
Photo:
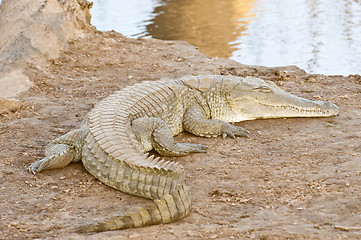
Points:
(321, 36)
(211, 25)
(127, 17)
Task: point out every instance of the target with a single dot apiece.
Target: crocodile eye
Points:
(262, 88)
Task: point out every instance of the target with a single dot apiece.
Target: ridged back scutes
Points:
(204, 83)
(110, 122)
(201, 83)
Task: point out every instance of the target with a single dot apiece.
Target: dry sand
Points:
(294, 178)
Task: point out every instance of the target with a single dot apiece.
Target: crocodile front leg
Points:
(154, 133)
(195, 121)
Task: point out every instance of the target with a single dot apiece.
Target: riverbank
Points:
(292, 179)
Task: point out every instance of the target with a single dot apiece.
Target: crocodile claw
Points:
(233, 131)
(33, 168)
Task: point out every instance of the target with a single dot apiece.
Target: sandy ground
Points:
(291, 179)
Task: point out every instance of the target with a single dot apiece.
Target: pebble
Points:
(190, 233)
(133, 236)
(214, 236)
(8, 171)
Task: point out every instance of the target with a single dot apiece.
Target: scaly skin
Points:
(114, 138)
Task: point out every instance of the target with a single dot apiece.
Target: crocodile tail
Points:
(169, 208)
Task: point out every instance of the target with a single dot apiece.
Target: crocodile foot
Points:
(34, 168)
(233, 131)
(63, 155)
(179, 149)
(192, 148)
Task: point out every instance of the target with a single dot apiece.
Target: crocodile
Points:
(114, 139)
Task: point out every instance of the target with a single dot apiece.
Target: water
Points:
(320, 36)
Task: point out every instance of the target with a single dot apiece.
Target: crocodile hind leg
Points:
(154, 133)
(60, 152)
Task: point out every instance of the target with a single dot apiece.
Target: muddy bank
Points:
(292, 179)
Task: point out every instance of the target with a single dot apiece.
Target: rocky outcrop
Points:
(36, 29)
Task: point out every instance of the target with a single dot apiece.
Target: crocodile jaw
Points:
(254, 98)
(303, 108)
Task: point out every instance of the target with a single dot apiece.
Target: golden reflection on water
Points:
(202, 23)
(320, 36)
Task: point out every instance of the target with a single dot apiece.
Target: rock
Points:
(31, 28)
(36, 29)
(12, 83)
(9, 105)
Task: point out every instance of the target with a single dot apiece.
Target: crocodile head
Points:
(252, 98)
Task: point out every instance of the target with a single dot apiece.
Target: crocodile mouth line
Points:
(297, 109)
